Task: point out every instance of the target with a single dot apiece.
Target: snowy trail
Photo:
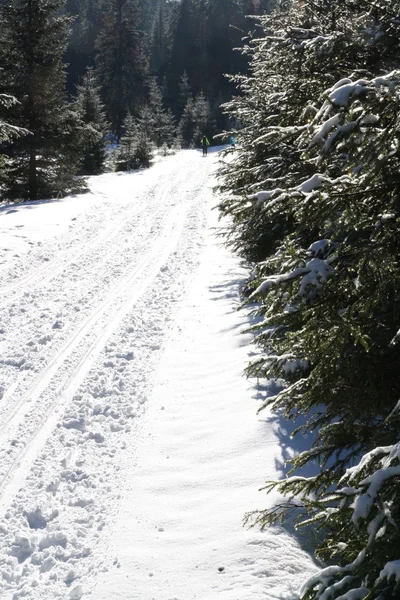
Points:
(121, 301)
(194, 471)
(79, 338)
(129, 445)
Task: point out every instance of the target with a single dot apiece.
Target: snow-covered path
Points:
(95, 500)
(201, 454)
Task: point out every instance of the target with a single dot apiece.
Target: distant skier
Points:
(204, 144)
(232, 141)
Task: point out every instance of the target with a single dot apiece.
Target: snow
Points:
(264, 195)
(375, 482)
(324, 129)
(30, 224)
(341, 131)
(391, 569)
(313, 274)
(312, 183)
(130, 448)
(319, 247)
(341, 94)
(384, 81)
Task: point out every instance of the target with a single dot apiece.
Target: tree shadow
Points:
(24, 205)
(290, 445)
(12, 208)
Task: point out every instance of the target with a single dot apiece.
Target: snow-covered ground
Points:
(130, 448)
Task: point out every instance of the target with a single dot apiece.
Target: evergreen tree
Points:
(86, 25)
(187, 124)
(184, 52)
(135, 149)
(196, 121)
(185, 92)
(33, 37)
(313, 192)
(8, 133)
(92, 113)
(121, 61)
(161, 127)
(125, 157)
(204, 124)
(160, 39)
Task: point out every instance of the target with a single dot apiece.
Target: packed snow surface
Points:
(130, 448)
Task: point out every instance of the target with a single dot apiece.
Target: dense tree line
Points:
(81, 70)
(313, 192)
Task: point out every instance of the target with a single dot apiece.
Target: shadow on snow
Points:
(230, 288)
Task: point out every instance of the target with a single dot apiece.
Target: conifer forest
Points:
(309, 198)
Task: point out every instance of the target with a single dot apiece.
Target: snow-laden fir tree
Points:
(196, 121)
(185, 92)
(187, 124)
(203, 119)
(313, 191)
(292, 62)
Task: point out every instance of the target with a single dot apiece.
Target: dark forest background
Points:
(187, 45)
(79, 75)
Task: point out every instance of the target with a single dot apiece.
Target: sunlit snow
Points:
(130, 447)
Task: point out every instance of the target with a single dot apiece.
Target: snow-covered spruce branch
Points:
(314, 274)
(371, 504)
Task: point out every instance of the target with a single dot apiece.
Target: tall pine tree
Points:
(33, 37)
(121, 61)
(92, 113)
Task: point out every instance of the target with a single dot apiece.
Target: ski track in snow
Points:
(83, 317)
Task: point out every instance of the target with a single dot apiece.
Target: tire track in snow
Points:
(28, 398)
(149, 266)
(45, 273)
(128, 218)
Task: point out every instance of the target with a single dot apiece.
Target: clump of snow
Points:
(341, 131)
(293, 365)
(319, 247)
(319, 271)
(324, 129)
(312, 183)
(76, 593)
(262, 196)
(391, 569)
(53, 539)
(313, 274)
(22, 547)
(341, 94)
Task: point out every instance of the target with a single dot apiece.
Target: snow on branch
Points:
(315, 272)
(375, 482)
(341, 95)
(391, 569)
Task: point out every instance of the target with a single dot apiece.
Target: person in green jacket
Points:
(204, 144)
